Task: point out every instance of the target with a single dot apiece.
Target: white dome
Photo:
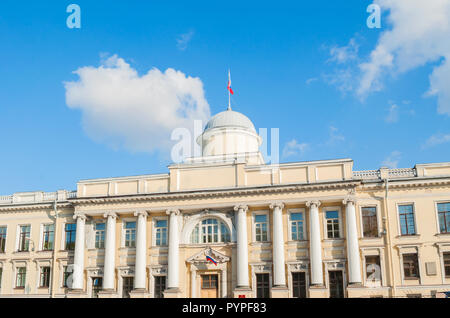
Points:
(230, 118)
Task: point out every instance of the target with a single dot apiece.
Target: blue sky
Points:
(286, 69)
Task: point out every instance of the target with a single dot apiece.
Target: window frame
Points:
(155, 277)
(417, 263)
(377, 216)
(325, 223)
(19, 238)
(154, 229)
(200, 225)
(445, 275)
(4, 240)
(42, 276)
(103, 236)
(124, 232)
(399, 225)
(64, 237)
(267, 214)
(295, 211)
(42, 239)
(24, 278)
(438, 225)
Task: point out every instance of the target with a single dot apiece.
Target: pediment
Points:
(200, 257)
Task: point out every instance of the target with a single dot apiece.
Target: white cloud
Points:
(123, 109)
(436, 140)
(184, 39)
(335, 136)
(292, 148)
(393, 114)
(342, 54)
(419, 35)
(392, 160)
(310, 80)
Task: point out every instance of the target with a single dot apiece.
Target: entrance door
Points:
(336, 284)
(210, 287)
(299, 285)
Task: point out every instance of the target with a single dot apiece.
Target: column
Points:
(279, 272)
(193, 282)
(315, 243)
(110, 251)
(242, 246)
(173, 258)
(141, 250)
(78, 268)
(224, 281)
(354, 262)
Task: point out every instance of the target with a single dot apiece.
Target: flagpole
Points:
(229, 93)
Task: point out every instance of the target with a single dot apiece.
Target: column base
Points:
(243, 292)
(76, 293)
(139, 293)
(107, 293)
(279, 292)
(318, 291)
(172, 293)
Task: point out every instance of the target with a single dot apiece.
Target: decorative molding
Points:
(200, 257)
(349, 199)
(238, 208)
(81, 216)
(279, 205)
(173, 211)
(317, 203)
(110, 214)
(140, 213)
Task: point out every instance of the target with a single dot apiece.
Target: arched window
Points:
(210, 231)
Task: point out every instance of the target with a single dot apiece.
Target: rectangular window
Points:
(97, 283)
(262, 286)
(66, 275)
(130, 234)
(24, 238)
(406, 216)
(444, 217)
(2, 239)
(1, 274)
(45, 277)
(447, 264)
(373, 270)
(299, 285)
(48, 237)
(332, 218)
(161, 232)
(410, 266)
(127, 286)
(336, 284)
(160, 286)
(20, 277)
(297, 226)
(99, 235)
(70, 231)
(261, 228)
(370, 223)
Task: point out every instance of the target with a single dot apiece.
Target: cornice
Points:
(230, 192)
(32, 207)
(407, 183)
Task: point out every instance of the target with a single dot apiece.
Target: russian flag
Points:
(212, 260)
(229, 84)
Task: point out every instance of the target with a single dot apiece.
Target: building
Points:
(228, 225)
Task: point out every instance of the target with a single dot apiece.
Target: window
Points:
(24, 238)
(20, 277)
(262, 286)
(2, 239)
(410, 266)
(210, 231)
(161, 233)
(66, 274)
(130, 234)
(299, 284)
(336, 284)
(373, 270)
(48, 237)
(127, 286)
(70, 230)
(370, 223)
(1, 274)
(99, 235)
(406, 216)
(96, 286)
(332, 218)
(209, 282)
(261, 228)
(160, 286)
(414, 296)
(297, 226)
(447, 264)
(45, 277)
(444, 217)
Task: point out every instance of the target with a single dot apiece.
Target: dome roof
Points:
(230, 118)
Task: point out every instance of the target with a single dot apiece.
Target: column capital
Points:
(172, 211)
(110, 214)
(241, 207)
(349, 199)
(313, 202)
(141, 213)
(274, 205)
(81, 216)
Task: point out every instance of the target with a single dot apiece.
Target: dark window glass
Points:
(48, 237)
(447, 264)
(2, 239)
(20, 278)
(370, 225)
(373, 270)
(406, 216)
(45, 277)
(160, 286)
(66, 275)
(332, 218)
(96, 286)
(262, 286)
(24, 238)
(299, 284)
(336, 284)
(444, 217)
(70, 230)
(410, 266)
(127, 286)
(209, 281)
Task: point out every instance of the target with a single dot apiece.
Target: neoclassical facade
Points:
(228, 225)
